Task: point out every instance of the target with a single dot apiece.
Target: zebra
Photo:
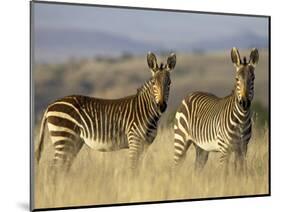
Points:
(108, 124)
(216, 124)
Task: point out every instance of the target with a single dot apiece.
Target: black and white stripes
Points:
(108, 125)
(218, 124)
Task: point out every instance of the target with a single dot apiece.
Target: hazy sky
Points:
(147, 25)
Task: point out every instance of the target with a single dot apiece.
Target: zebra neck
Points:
(146, 101)
(242, 117)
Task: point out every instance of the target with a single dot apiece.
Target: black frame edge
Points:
(150, 203)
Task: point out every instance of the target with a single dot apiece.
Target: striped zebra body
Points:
(104, 124)
(216, 124)
(97, 122)
(212, 124)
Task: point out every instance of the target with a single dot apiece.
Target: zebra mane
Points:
(144, 87)
(232, 93)
(244, 60)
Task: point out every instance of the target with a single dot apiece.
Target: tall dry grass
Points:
(103, 178)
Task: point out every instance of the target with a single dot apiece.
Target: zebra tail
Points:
(41, 138)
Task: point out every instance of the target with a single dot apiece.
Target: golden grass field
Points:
(104, 178)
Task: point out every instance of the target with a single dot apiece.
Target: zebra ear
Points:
(152, 62)
(254, 57)
(235, 56)
(171, 61)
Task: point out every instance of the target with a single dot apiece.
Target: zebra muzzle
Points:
(163, 107)
(245, 103)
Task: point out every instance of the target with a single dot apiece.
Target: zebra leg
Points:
(181, 148)
(240, 160)
(224, 159)
(143, 154)
(65, 152)
(201, 158)
(182, 140)
(135, 147)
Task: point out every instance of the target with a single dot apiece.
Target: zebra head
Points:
(245, 76)
(161, 79)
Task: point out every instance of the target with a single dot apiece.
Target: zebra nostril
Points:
(245, 103)
(163, 107)
(241, 102)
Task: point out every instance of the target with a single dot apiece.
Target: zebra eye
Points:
(168, 82)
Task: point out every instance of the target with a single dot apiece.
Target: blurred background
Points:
(101, 52)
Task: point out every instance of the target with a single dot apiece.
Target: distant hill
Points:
(54, 45)
(61, 44)
(246, 39)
